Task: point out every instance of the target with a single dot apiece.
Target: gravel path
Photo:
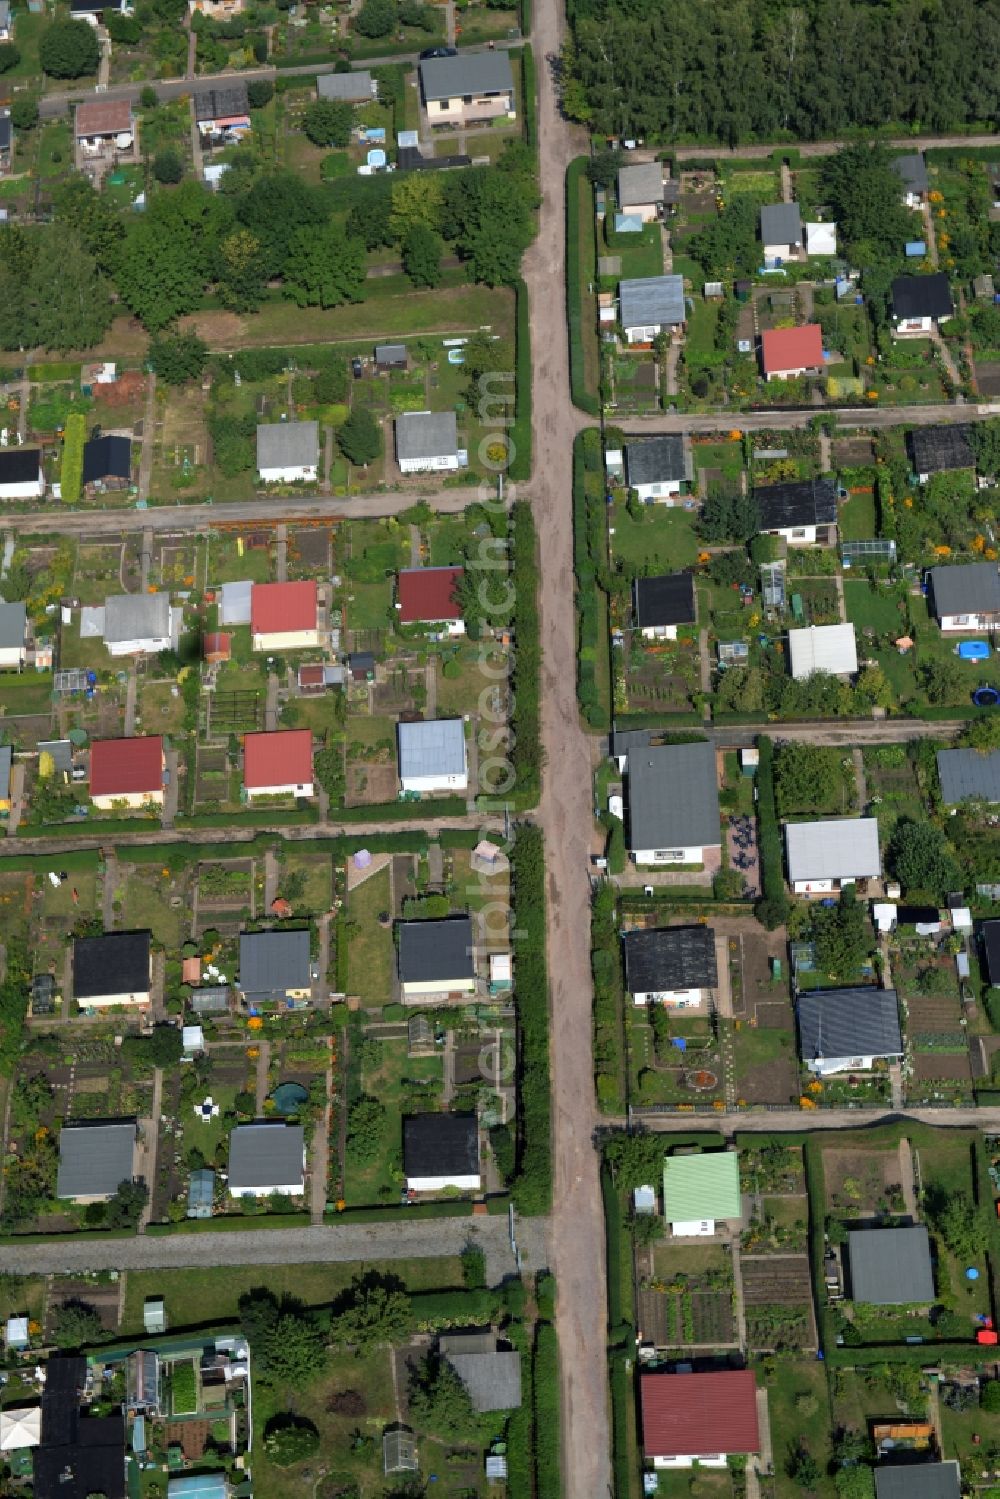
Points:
(566, 817)
(413, 1239)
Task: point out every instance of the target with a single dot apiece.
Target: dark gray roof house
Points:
(673, 797)
(266, 1155)
(95, 1158)
(918, 1481)
(658, 460)
(673, 957)
(219, 104)
(477, 73)
(921, 297)
(858, 1022)
(13, 626)
(347, 88)
(6, 132)
(492, 1375)
(432, 950)
(912, 172)
(61, 751)
(891, 1266)
(437, 1145)
(6, 760)
(288, 445)
(667, 600)
(965, 774)
(273, 963)
(780, 224)
(652, 301)
(425, 435)
(965, 588)
(806, 502)
(939, 450)
(989, 936)
(113, 963)
(640, 184)
(107, 457)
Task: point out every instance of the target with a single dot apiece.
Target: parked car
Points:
(438, 52)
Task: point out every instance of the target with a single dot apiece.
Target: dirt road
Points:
(766, 421)
(577, 1233)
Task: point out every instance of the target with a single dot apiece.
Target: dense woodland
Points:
(744, 69)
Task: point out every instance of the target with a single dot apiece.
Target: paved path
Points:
(566, 817)
(797, 1119)
(194, 518)
(420, 1238)
(775, 420)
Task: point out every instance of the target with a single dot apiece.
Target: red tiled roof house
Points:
(787, 353)
(427, 596)
(704, 1418)
(284, 616)
(278, 764)
(99, 121)
(126, 773)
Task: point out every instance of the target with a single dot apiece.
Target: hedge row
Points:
(520, 432)
(525, 16)
(529, 100)
(609, 1035)
(589, 541)
(532, 1190)
(582, 397)
(445, 806)
(237, 1223)
(548, 1479)
(520, 1430)
(453, 1209)
(261, 818)
(620, 1332)
(526, 752)
(771, 867)
(462, 1308)
(459, 837)
(71, 467)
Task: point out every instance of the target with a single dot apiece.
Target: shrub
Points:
(290, 1439)
(168, 165)
(260, 92)
(69, 49)
(24, 114)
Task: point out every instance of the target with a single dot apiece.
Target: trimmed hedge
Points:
(520, 431)
(242, 1223)
(525, 16)
(526, 750)
(456, 1208)
(574, 291)
(445, 806)
(262, 818)
(590, 569)
(771, 866)
(548, 1479)
(532, 1189)
(609, 1034)
(464, 1308)
(459, 837)
(529, 100)
(71, 467)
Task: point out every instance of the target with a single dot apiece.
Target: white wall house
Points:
(267, 1158)
(966, 597)
(780, 231)
(919, 303)
(441, 1151)
(432, 755)
(427, 442)
(21, 474)
(673, 804)
(658, 467)
(284, 616)
(672, 966)
(826, 855)
(13, 636)
(469, 87)
(651, 305)
(287, 452)
(848, 1030)
(139, 624)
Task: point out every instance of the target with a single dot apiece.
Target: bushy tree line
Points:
(57, 281)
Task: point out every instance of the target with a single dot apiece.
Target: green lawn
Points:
(147, 905)
(800, 1416)
(372, 952)
(665, 536)
(727, 456)
(211, 1294)
(873, 608)
(641, 256)
(857, 518)
(55, 149)
(449, 309)
(317, 874)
